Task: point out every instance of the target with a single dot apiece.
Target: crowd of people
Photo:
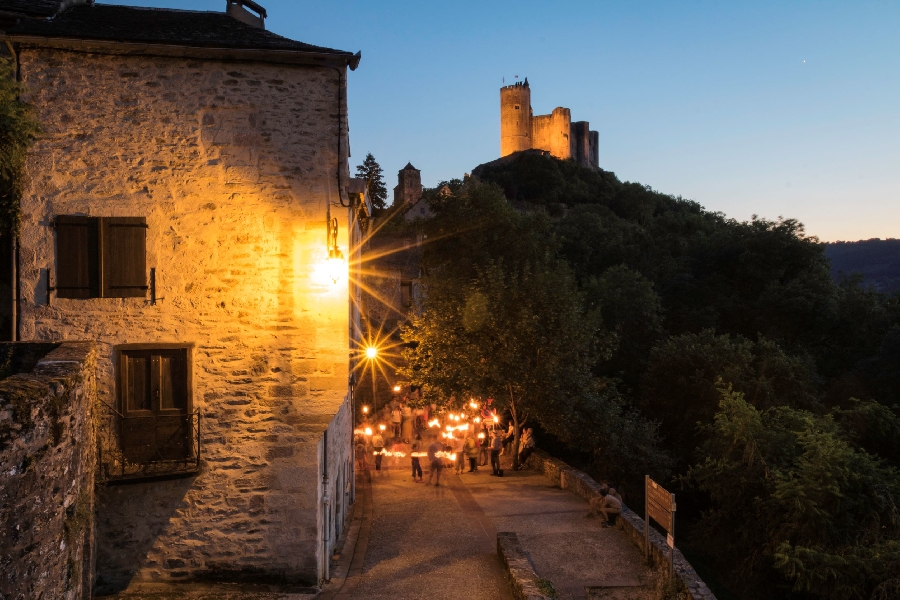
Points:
(436, 440)
(470, 437)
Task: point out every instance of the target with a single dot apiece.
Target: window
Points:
(406, 294)
(101, 257)
(155, 404)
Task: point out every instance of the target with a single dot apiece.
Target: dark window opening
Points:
(406, 294)
(101, 257)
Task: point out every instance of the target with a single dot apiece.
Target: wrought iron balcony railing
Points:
(144, 446)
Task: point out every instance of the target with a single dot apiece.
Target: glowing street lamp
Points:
(396, 388)
(371, 352)
(335, 265)
(368, 431)
(382, 427)
(365, 410)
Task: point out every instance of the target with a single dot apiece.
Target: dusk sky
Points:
(767, 108)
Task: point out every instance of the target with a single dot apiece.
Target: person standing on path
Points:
(484, 446)
(416, 465)
(435, 460)
(407, 426)
(378, 446)
(496, 448)
(396, 419)
(458, 446)
(472, 450)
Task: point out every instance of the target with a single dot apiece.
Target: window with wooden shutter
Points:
(124, 257)
(101, 257)
(77, 257)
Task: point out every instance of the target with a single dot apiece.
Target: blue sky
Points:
(711, 101)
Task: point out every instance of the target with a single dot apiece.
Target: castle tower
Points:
(515, 118)
(408, 190)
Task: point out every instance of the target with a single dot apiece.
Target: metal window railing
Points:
(144, 446)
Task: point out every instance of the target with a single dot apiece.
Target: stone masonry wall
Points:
(47, 459)
(234, 166)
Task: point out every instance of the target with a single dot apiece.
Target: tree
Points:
(517, 333)
(18, 129)
(371, 171)
(791, 494)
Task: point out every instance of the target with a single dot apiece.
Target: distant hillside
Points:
(877, 260)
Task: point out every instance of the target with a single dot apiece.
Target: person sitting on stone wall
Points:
(526, 447)
(606, 505)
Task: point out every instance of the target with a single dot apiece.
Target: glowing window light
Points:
(368, 431)
(382, 427)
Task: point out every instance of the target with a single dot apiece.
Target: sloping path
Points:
(419, 541)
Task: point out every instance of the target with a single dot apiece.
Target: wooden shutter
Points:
(77, 257)
(124, 257)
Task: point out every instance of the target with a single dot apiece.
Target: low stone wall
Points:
(522, 576)
(581, 483)
(47, 474)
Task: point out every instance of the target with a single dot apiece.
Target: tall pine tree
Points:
(371, 171)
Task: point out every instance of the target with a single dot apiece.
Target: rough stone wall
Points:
(594, 149)
(580, 140)
(47, 459)
(233, 165)
(551, 133)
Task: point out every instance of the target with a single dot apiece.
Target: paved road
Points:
(419, 541)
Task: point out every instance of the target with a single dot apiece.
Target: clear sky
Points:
(768, 107)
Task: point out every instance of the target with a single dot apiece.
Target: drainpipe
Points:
(326, 562)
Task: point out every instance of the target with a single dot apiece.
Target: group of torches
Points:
(457, 422)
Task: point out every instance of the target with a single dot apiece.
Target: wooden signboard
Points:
(660, 506)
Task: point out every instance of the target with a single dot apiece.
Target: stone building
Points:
(408, 193)
(188, 208)
(555, 133)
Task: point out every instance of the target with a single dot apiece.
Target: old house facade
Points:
(188, 208)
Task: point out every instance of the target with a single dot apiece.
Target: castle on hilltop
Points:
(555, 133)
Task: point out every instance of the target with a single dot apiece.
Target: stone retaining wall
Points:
(47, 475)
(581, 483)
(522, 576)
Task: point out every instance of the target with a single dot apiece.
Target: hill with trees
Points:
(644, 334)
(876, 260)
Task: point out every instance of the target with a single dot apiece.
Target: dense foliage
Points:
(371, 171)
(18, 129)
(772, 388)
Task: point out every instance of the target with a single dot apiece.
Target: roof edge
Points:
(337, 58)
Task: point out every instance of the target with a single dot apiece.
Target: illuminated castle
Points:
(554, 133)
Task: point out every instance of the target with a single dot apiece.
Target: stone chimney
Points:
(243, 11)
